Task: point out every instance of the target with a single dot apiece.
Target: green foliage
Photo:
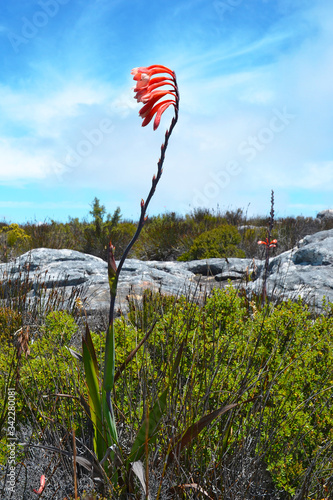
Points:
(281, 356)
(49, 370)
(160, 238)
(164, 237)
(60, 327)
(13, 239)
(46, 368)
(41, 375)
(219, 242)
(97, 211)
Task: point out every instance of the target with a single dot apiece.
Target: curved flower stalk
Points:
(156, 88)
(157, 93)
(269, 244)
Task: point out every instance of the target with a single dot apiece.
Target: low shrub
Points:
(219, 242)
(277, 358)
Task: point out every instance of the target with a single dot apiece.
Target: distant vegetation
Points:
(203, 233)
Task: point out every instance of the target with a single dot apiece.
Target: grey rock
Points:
(305, 271)
(325, 214)
(250, 226)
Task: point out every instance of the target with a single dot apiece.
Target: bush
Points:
(219, 242)
(279, 356)
(13, 240)
(161, 238)
(40, 368)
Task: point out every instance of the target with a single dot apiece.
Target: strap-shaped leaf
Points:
(91, 372)
(149, 427)
(109, 417)
(182, 440)
(109, 360)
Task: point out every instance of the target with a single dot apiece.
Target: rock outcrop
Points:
(305, 271)
(325, 214)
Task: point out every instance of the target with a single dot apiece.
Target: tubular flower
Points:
(269, 244)
(148, 91)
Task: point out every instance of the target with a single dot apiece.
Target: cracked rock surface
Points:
(305, 271)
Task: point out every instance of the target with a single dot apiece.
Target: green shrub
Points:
(280, 356)
(161, 237)
(219, 242)
(48, 370)
(59, 327)
(14, 240)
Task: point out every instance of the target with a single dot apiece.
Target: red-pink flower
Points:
(270, 244)
(148, 91)
(42, 485)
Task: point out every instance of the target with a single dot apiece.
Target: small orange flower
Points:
(270, 244)
(148, 91)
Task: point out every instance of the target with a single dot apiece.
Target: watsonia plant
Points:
(148, 90)
(269, 244)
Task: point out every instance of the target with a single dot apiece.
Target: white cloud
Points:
(19, 162)
(222, 106)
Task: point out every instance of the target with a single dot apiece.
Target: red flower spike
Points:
(158, 109)
(42, 485)
(149, 91)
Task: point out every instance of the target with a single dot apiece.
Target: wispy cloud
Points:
(69, 118)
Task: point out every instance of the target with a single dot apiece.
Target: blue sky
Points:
(256, 109)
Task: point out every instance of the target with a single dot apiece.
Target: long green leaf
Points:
(108, 382)
(148, 428)
(109, 360)
(91, 372)
(150, 425)
(182, 440)
(109, 417)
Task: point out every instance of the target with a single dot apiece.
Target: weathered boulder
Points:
(325, 214)
(67, 269)
(305, 271)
